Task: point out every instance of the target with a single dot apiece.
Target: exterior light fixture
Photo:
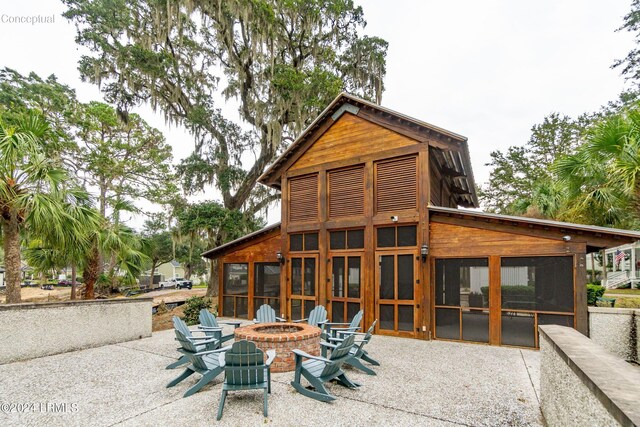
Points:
(280, 257)
(566, 238)
(424, 251)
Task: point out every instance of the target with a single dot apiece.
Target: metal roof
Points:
(212, 253)
(535, 221)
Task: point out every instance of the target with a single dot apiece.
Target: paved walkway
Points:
(419, 383)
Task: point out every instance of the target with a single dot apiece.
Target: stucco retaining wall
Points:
(41, 329)
(615, 329)
(582, 384)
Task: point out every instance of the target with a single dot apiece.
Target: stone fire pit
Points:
(282, 337)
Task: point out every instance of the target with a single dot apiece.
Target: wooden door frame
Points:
(345, 253)
(417, 292)
(302, 297)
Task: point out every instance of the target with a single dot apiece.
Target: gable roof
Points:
(222, 249)
(450, 149)
(595, 236)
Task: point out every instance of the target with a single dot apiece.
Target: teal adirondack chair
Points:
(208, 363)
(319, 370)
(331, 329)
(246, 369)
(210, 325)
(266, 314)
(317, 317)
(202, 343)
(358, 353)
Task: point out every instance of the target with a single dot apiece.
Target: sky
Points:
(488, 70)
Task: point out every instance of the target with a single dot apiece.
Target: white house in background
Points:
(1, 276)
(170, 270)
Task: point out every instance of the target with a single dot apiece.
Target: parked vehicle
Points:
(66, 282)
(178, 283)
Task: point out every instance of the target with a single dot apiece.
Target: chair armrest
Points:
(204, 341)
(219, 350)
(301, 353)
(341, 332)
(209, 328)
(301, 320)
(327, 344)
(335, 339)
(228, 322)
(335, 323)
(271, 355)
(199, 340)
(280, 319)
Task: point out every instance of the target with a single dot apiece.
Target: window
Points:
(396, 185)
(462, 299)
(266, 285)
(303, 286)
(235, 288)
(535, 291)
(303, 242)
(400, 236)
(303, 196)
(346, 192)
(346, 239)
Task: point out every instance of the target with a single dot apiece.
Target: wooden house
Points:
(371, 221)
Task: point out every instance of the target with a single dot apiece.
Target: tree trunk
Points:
(91, 272)
(74, 288)
(102, 206)
(153, 273)
(11, 245)
(187, 271)
(212, 288)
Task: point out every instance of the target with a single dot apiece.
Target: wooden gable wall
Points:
(349, 137)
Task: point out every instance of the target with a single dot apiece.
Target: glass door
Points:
(396, 292)
(346, 281)
(303, 285)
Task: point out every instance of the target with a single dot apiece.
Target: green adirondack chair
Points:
(208, 363)
(331, 329)
(202, 343)
(358, 353)
(210, 325)
(266, 314)
(246, 369)
(317, 317)
(319, 370)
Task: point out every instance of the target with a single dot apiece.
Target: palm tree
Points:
(34, 196)
(602, 178)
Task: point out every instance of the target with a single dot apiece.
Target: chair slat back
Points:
(355, 322)
(208, 319)
(365, 339)
(266, 314)
(317, 315)
(182, 334)
(244, 364)
(338, 356)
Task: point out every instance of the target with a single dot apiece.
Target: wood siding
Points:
(350, 137)
(461, 241)
(346, 192)
(303, 198)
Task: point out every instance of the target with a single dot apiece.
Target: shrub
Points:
(192, 309)
(593, 293)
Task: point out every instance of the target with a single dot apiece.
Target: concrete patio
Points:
(419, 383)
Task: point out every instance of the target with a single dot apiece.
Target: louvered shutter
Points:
(303, 198)
(396, 185)
(346, 197)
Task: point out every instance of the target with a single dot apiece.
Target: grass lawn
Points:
(204, 285)
(630, 292)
